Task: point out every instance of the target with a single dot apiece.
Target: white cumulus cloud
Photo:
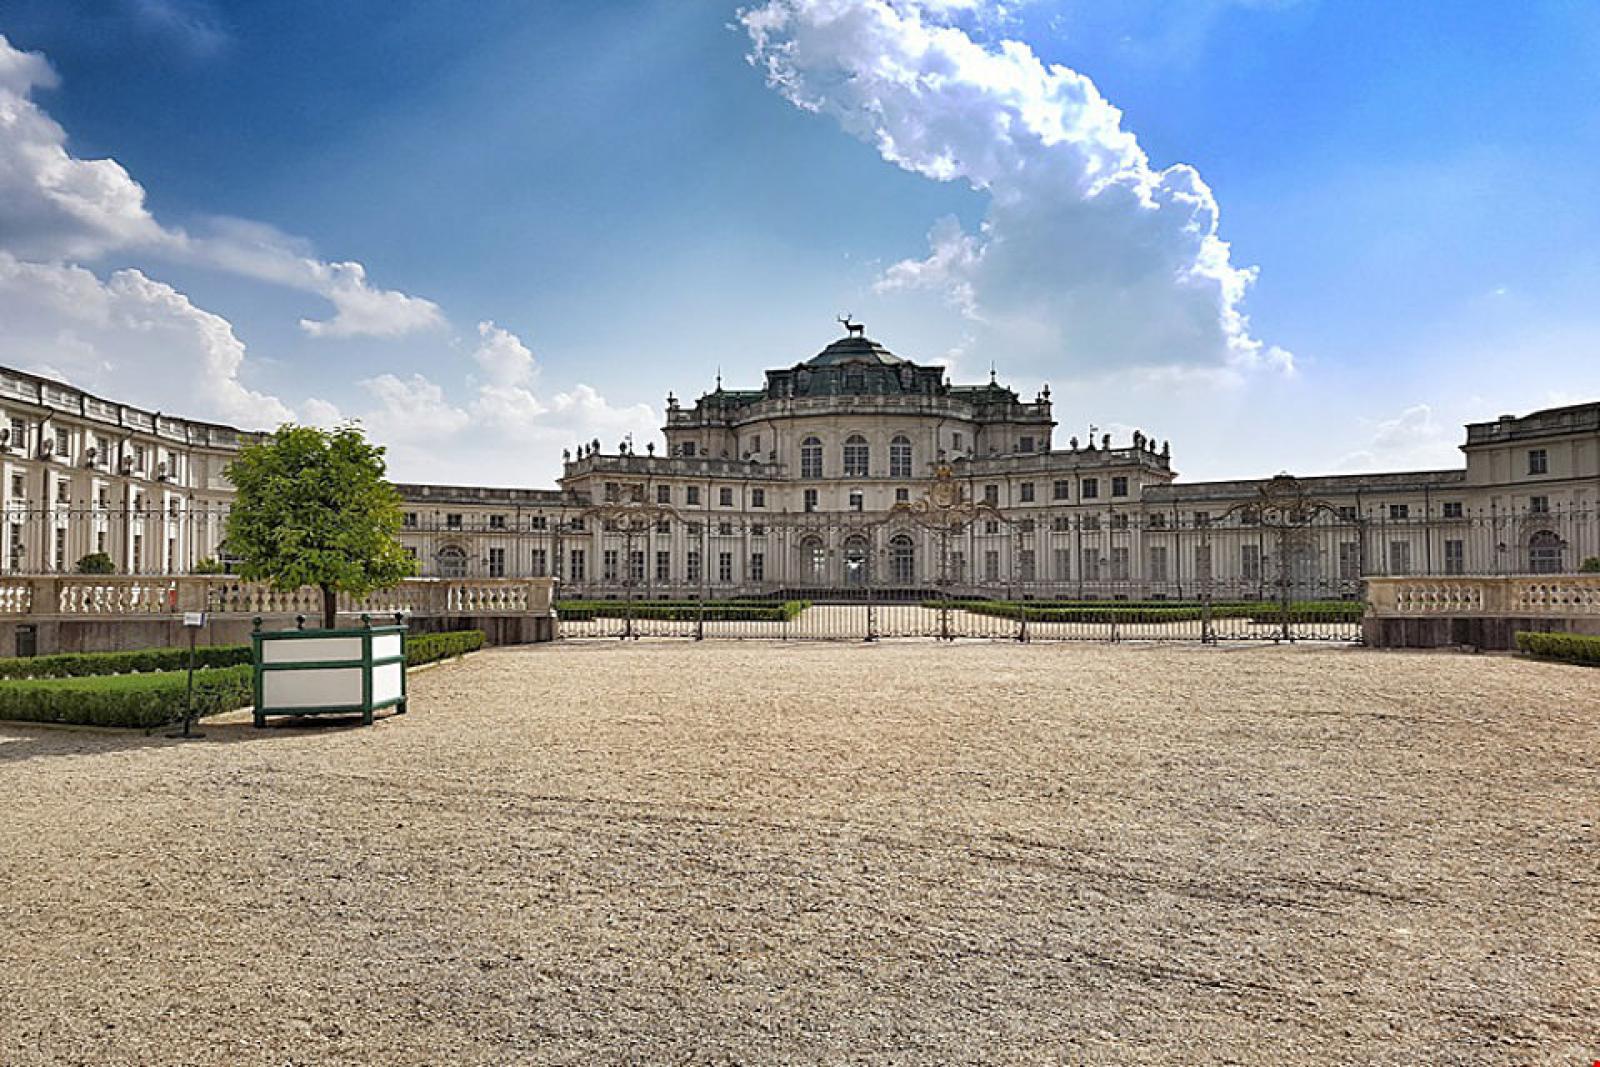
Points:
(1087, 252)
(56, 207)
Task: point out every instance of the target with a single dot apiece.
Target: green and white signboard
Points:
(329, 672)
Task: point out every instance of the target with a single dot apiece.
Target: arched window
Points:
(900, 457)
(814, 561)
(855, 561)
(856, 456)
(1544, 552)
(902, 559)
(811, 458)
(452, 560)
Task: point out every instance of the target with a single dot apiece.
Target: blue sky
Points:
(562, 211)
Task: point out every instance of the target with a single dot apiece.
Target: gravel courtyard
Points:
(785, 853)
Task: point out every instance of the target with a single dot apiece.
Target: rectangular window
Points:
(1539, 505)
(1347, 513)
(540, 563)
(688, 448)
(755, 444)
(64, 492)
(1399, 511)
(758, 567)
(1538, 461)
(758, 530)
(758, 498)
(1157, 521)
(608, 565)
(1119, 485)
(102, 451)
(691, 565)
(19, 487)
(991, 495)
(1061, 523)
(857, 500)
(410, 520)
(663, 526)
(636, 565)
(1455, 557)
(1063, 564)
(100, 541)
(497, 563)
(577, 525)
(1089, 564)
(1027, 492)
(663, 494)
(63, 442)
(1119, 521)
(1025, 444)
(992, 526)
(1119, 563)
(452, 521)
(811, 500)
(1399, 557)
(61, 549)
(1060, 488)
(19, 435)
(902, 496)
(691, 495)
(955, 442)
(578, 561)
(958, 565)
(991, 565)
(1250, 562)
(538, 522)
(1025, 565)
(1202, 563)
(497, 522)
(663, 565)
(725, 529)
(1202, 518)
(1090, 490)
(1090, 522)
(1158, 563)
(725, 566)
(613, 492)
(725, 497)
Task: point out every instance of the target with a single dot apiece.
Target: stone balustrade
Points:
(1518, 595)
(112, 597)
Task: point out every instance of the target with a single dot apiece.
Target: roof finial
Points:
(991, 372)
(851, 329)
(719, 378)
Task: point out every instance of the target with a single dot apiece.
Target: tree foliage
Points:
(96, 563)
(313, 508)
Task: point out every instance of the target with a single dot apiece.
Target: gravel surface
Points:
(789, 853)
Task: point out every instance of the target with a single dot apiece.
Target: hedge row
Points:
(682, 610)
(1155, 612)
(144, 661)
(139, 700)
(425, 648)
(1570, 648)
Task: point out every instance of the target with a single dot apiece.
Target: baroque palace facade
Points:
(853, 470)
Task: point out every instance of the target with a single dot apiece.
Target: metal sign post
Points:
(192, 621)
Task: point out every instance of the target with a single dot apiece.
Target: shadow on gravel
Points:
(30, 741)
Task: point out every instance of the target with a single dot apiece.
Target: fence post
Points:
(1208, 635)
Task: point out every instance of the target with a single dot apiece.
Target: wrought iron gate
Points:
(947, 567)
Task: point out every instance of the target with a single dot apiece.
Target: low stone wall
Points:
(1478, 612)
(44, 615)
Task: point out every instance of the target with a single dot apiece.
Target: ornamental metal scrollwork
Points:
(945, 507)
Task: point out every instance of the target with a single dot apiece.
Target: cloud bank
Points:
(1086, 252)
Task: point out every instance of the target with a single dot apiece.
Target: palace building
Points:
(854, 470)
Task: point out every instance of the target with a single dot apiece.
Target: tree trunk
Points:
(330, 608)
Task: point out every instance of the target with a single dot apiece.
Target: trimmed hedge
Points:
(1156, 612)
(144, 661)
(426, 648)
(137, 700)
(1569, 648)
(682, 610)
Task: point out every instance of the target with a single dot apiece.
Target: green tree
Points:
(314, 508)
(209, 565)
(96, 563)
(1590, 565)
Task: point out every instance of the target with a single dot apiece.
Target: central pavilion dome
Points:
(856, 348)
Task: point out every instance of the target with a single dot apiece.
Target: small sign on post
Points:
(193, 621)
